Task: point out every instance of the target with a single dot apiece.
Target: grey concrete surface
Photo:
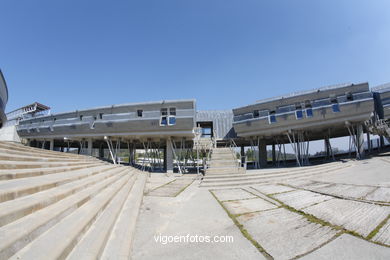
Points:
(232, 194)
(248, 205)
(349, 247)
(383, 235)
(353, 215)
(284, 234)
(301, 199)
(193, 212)
(272, 188)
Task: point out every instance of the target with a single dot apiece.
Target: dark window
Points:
(272, 117)
(172, 111)
(349, 96)
(164, 111)
(81, 117)
(256, 113)
(139, 113)
(298, 111)
(100, 115)
(54, 119)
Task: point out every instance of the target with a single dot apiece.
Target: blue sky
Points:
(75, 54)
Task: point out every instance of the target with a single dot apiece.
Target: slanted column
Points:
(327, 147)
(262, 153)
(369, 142)
(51, 144)
(360, 141)
(168, 156)
(90, 146)
(273, 154)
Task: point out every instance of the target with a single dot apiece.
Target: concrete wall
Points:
(120, 120)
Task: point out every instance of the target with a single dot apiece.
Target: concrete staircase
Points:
(275, 175)
(222, 162)
(58, 205)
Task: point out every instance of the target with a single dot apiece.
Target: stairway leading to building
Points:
(223, 161)
(58, 205)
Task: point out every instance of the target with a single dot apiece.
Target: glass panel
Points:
(139, 113)
(299, 114)
(336, 108)
(272, 119)
(163, 120)
(309, 112)
(256, 113)
(172, 120)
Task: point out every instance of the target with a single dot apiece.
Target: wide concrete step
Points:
(263, 179)
(20, 147)
(25, 173)
(93, 243)
(27, 165)
(49, 246)
(223, 163)
(119, 243)
(37, 152)
(21, 187)
(274, 171)
(19, 233)
(14, 209)
(33, 158)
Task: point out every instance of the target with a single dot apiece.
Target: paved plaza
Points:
(337, 210)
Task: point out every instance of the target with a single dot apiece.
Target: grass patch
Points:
(185, 187)
(376, 230)
(244, 232)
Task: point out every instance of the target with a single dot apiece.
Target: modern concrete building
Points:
(300, 117)
(3, 99)
(172, 127)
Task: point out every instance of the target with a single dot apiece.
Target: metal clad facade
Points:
(222, 122)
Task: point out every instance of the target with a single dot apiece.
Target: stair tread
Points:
(119, 244)
(92, 243)
(19, 187)
(16, 232)
(13, 209)
(56, 241)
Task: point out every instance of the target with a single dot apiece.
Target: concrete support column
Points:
(327, 147)
(90, 146)
(168, 157)
(262, 153)
(360, 141)
(369, 147)
(51, 144)
(273, 154)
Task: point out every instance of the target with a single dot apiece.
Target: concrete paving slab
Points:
(380, 194)
(284, 234)
(383, 235)
(194, 212)
(349, 247)
(173, 188)
(232, 194)
(272, 188)
(249, 205)
(346, 191)
(353, 215)
(301, 198)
